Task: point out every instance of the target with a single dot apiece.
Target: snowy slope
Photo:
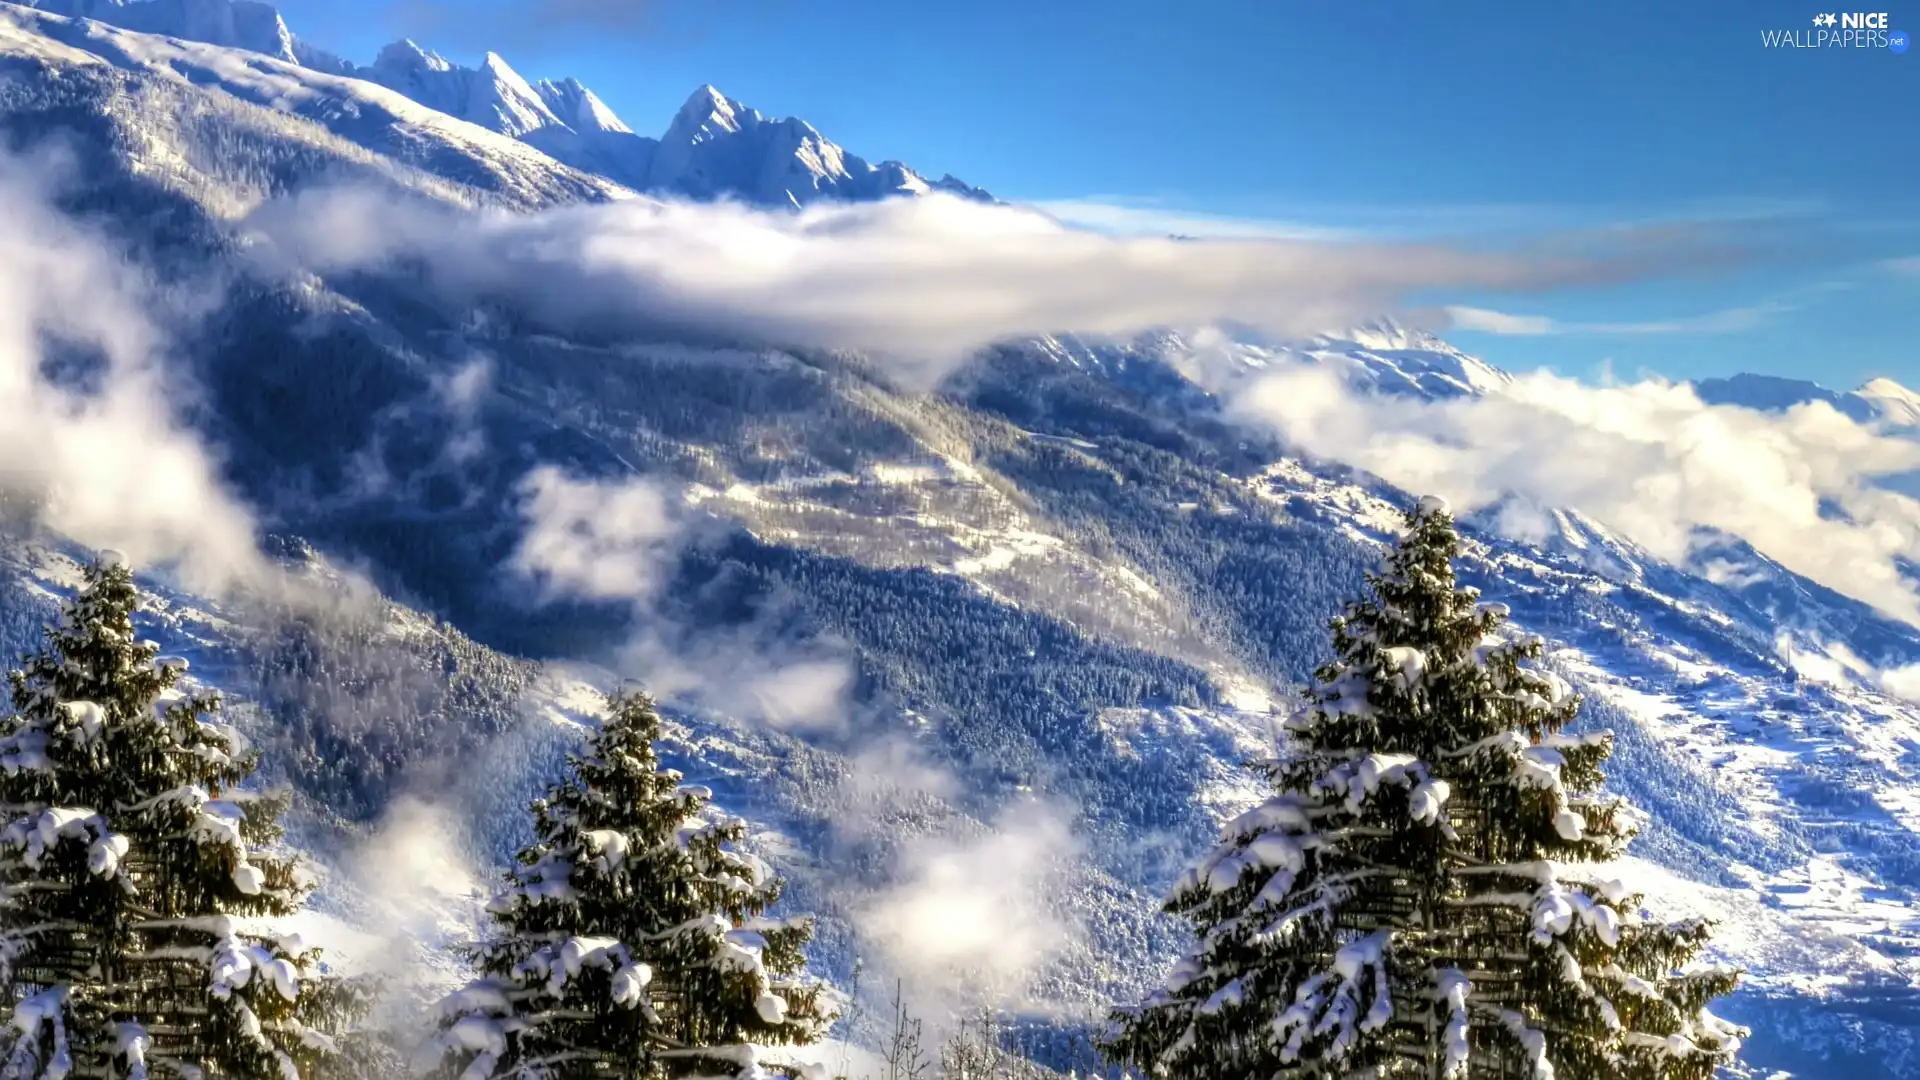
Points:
(402, 891)
(494, 96)
(1390, 358)
(717, 146)
(1891, 402)
(1381, 356)
(240, 24)
(1059, 575)
(589, 135)
(1781, 781)
(1193, 370)
(389, 125)
(580, 108)
(714, 147)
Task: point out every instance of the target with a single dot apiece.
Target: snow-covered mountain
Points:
(240, 24)
(1881, 402)
(1875, 401)
(1381, 356)
(493, 96)
(150, 99)
(1059, 574)
(715, 146)
(591, 137)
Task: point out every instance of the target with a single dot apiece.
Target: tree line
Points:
(1409, 901)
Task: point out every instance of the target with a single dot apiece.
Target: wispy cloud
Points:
(1905, 266)
(596, 540)
(616, 540)
(1725, 321)
(1488, 321)
(89, 432)
(1120, 217)
(1315, 219)
(977, 917)
(921, 284)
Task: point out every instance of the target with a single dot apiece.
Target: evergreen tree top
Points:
(631, 936)
(1408, 902)
(131, 866)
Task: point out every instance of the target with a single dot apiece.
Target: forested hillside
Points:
(979, 658)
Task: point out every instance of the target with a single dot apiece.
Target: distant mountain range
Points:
(1877, 401)
(715, 146)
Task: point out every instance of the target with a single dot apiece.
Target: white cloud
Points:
(1135, 218)
(1834, 664)
(462, 389)
(1648, 459)
(1321, 220)
(1725, 321)
(413, 867)
(800, 695)
(748, 672)
(395, 898)
(615, 540)
(102, 453)
(893, 767)
(1902, 682)
(979, 913)
(1500, 322)
(597, 540)
(922, 282)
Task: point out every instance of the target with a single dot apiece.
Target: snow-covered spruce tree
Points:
(630, 938)
(129, 866)
(1408, 903)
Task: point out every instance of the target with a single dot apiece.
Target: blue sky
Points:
(1479, 123)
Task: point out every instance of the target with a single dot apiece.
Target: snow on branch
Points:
(1329, 1004)
(40, 832)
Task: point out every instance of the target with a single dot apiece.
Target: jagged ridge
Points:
(715, 146)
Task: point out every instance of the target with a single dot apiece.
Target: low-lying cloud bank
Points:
(922, 283)
(1648, 459)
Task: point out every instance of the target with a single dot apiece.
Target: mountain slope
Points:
(184, 87)
(1876, 401)
(495, 96)
(1059, 585)
(240, 24)
(715, 147)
